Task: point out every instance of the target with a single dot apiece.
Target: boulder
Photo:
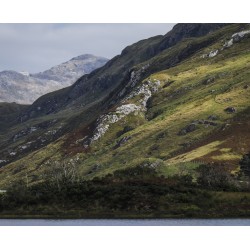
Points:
(188, 129)
(230, 109)
(208, 80)
(213, 53)
(122, 141)
(191, 127)
(213, 117)
(210, 123)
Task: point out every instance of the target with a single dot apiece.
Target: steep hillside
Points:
(9, 113)
(25, 88)
(195, 112)
(117, 72)
(166, 101)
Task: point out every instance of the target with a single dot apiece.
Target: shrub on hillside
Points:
(214, 177)
(245, 164)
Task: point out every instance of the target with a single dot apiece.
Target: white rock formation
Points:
(146, 90)
(136, 75)
(236, 37)
(213, 53)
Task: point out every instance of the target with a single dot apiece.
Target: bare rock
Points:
(230, 110)
(188, 129)
(210, 123)
(213, 117)
(122, 141)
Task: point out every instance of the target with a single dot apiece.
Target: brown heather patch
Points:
(70, 147)
(235, 137)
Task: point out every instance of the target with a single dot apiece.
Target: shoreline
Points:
(106, 217)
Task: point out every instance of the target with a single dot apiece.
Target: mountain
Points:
(68, 72)
(159, 130)
(25, 88)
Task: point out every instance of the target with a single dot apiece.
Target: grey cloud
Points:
(37, 47)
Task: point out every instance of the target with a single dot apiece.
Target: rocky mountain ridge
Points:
(25, 88)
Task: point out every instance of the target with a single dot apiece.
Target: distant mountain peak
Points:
(84, 57)
(25, 88)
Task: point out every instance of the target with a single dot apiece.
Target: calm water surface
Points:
(125, 222)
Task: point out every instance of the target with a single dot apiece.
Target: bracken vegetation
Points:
(131, 193)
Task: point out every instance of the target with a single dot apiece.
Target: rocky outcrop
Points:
(205, 122)
(211, 54)
(213, 117)
(194, 125)
(122, 141)
(237, 37)
(106, 120)
(188, 129)
(230, 109)
(144, 91)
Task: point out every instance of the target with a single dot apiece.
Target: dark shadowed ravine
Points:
(126, 222)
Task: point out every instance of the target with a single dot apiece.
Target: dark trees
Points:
(245, 164)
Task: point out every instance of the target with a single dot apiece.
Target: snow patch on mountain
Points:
(25, 73)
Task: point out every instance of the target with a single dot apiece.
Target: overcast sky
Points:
(37, 47)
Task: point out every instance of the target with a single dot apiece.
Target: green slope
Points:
(193, 89)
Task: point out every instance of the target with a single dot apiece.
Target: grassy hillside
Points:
(197, 91)
(9, 112)
(185, 121)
